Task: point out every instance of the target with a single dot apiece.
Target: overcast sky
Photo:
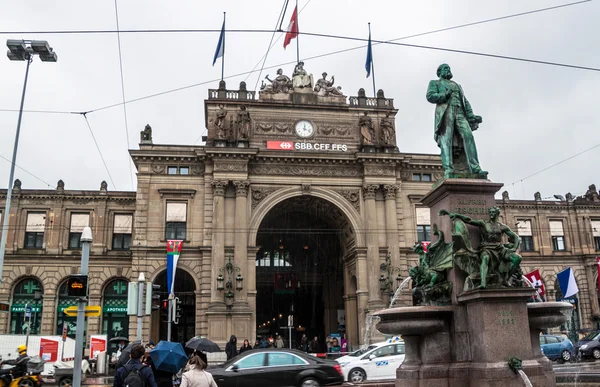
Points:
(534, 115)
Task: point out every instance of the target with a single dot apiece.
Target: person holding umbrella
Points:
(167, 359)
(135, 374)
(197, 376)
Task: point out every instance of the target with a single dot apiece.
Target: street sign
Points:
(90, 311)
(27, 311)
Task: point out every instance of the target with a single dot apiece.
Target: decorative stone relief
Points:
(369, 190)
(241, 188)
(379, 170)
(273, 127)
(265, 169)
(389, 191)
(305, 188)
(28, 269)
(405, 175)
(258, 194)
(158, 169)
(438, 176)
(231, 167)
(219, 187)
(353, 197)
(197, 170)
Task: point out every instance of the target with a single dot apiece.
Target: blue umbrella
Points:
(168, 356)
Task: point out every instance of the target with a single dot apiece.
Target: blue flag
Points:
(369, 56)
(566, 282)
(221, 45)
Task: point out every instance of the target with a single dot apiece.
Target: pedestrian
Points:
(231, 347)
(314, 345)
(134, 373)
(344, 344)
(304, 343)
(245, 346)
(328, 344)
(162, 378)
(279, 342)
(263, 342)
(257, 344)
(197, 376)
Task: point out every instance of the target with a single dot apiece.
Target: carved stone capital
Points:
(219, 187)
(241, 188)
(389, 191)
(369, 190)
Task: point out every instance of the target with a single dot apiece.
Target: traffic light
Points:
(151, 289)
(164, 310)
(77, 286)
(177, 307)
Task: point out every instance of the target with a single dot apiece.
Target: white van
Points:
(378, 361)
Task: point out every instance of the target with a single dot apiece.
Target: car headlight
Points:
(343, 363)
(584, 346)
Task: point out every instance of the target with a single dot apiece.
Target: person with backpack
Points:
(134, 373)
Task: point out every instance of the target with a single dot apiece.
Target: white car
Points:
(376, 362)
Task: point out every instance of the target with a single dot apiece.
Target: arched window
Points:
(26, 307)
(62, 320)
(115, 321)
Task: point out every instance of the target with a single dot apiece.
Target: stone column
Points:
(218, 238)
(371, 240)
(391, 224)
(593, 288)
(241, 237)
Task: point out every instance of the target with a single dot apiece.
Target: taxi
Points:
(377, 361)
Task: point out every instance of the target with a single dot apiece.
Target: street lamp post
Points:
(22, 50)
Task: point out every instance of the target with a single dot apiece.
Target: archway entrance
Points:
(300, 270)
(185, 290)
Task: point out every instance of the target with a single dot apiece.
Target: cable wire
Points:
(99, 151)
(26, 171)
(123, 91)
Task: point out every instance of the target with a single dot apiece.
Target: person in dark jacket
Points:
(231, 347)
(20, 365)
(137, 351)
(162, 378)
(245, 347)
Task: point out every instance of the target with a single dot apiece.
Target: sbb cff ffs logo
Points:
(77, 286)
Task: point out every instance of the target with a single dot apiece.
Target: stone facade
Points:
(230, 185)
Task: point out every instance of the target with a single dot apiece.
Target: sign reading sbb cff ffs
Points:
(309, 146)
(77, 286)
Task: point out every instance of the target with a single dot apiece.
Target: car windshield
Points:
(591, 336)
(362, 351)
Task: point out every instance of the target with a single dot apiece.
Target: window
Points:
(524, 231)
(284, 359)
(423, 225)
(122, 232)
(178, 170)
(558, 235)
(421, 177)
(596, 233)
(252, 361)
(176, 220)
(426, 177)
(388, 350)
(78, 223)
(34, 230)
(416, 177)
(400, 349)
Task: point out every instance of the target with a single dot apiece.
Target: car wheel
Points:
(566, 355)
(66, 382)
(357, 375)
(26, 382)
(310, 382)
(596, 353)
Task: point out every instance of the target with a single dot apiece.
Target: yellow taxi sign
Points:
(90, 311)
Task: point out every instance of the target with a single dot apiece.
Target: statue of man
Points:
(494, 256)
(366, 129)
(281, 84)
(325, 87)
(146, 134)
(300, 78)
(387, 129)
(454, 123)
(243, 121)
(220, 122)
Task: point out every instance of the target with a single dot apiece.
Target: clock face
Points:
(304, 128)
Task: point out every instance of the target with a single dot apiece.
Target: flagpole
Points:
(372, 64)
(297, 35)
(223, 58)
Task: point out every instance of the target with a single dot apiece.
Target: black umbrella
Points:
(125, 352)
(202, 344)
(118, 339)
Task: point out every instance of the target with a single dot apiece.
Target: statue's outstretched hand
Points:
(443, 212)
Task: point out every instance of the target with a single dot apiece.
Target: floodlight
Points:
(41, 46)
(15, 45)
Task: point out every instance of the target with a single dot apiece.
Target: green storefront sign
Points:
(20, 308)
(114, 309)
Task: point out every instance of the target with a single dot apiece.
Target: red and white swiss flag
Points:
(280, 145)
(292, 30)
(536, 280)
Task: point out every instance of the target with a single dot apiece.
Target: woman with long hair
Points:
(197, 376)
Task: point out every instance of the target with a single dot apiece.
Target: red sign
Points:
(48, 350)
(280, 145)
(536, 280)
(97, 344)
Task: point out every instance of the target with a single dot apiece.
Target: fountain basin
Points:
(413, 320)
(543, 315)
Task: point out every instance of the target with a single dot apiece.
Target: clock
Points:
(304, 128)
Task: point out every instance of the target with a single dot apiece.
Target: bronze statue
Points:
(281, 84)
(454, 126)
(300, 78)
(492, 264)
(366, 129)
(243, 122)
(146, 134)
(387, 129)
(325, 87)
(220, 122)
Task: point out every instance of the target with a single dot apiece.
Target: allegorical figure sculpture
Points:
(429, 278)
(493, 263)
(281, 84)
(325, 87)
(243, 122)
(146, 134)
(454, 126)
(387, 129)
(300, 78)
(220, 122)
(366, 129)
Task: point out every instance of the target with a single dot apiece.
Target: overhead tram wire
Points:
(99, 151)
(123, 93)
(27, 172)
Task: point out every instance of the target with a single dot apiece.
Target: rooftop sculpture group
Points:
(301, 79)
